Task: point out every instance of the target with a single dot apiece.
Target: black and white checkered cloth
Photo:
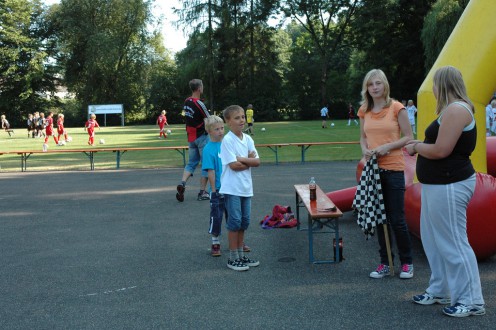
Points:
(369, 201)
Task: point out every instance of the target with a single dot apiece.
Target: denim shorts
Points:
(238, 212)
(194, 154)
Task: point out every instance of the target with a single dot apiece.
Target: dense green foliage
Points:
(313, 52)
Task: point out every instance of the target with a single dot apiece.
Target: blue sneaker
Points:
(461, 310)
(428, 299)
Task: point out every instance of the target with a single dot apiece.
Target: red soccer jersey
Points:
(60, 126)
(49, 126)
(90, 125)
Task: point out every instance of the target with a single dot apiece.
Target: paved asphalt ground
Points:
(115, 250)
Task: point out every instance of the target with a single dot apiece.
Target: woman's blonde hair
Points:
(448, 81)
(211, 121)
(366, 98)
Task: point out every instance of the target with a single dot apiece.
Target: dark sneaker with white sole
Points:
(237, 265)
(251, 263)
(180, 192)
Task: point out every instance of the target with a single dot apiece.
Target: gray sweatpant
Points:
(443, 228)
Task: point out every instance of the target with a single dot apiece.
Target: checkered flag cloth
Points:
(369, 201)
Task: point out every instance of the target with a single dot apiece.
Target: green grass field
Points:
(147, 136)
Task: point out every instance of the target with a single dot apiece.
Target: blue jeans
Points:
(194, 154)
(238, 212)
(393, 190)
(217, 210)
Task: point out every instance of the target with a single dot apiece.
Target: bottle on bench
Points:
(312, 186)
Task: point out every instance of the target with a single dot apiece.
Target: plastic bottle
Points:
(312, 186)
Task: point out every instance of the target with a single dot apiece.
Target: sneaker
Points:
(406, 271)
(461, 310)
(251, 263)
(428, 299)
(180, 192)
(381, 271)
(237, 265)
(215, 251)
(45, 147)
(246, 248)
(203, 196)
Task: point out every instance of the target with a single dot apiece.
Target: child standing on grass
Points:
(49, 131)
(238, 155)
(60, 128)
(90, 126)
(161, 122)
(6, 125)
(212, 163)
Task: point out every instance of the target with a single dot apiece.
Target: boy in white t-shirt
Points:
(238, 155)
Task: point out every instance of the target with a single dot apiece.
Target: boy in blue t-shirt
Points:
(211, 162)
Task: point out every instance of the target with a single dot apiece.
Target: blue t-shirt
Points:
(211, 160)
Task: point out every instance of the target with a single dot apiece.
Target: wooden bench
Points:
(274, 147)
(321, 213)
(306, 145)
(90, 152)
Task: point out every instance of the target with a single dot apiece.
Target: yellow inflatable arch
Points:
(471, 48)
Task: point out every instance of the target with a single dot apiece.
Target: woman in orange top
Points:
(384, 131)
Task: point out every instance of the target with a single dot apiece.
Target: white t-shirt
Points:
(411, 111)
(238, 183)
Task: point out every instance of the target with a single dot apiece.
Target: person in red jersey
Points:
(60, 128)
(90, 126)
(49, 131)
(161, 122)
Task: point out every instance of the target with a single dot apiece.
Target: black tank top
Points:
(457, 166)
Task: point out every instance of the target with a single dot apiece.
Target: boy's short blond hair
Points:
(211, 121)
(227, 113)
(60, 115)
(92, 116)
(163, 112)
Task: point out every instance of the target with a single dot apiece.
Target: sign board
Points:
(106, 109)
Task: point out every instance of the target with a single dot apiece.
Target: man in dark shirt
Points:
(195, 112)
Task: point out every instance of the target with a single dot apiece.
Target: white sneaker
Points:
(45, 147)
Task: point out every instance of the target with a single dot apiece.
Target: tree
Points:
(105, 51)
(203, 14)
(326, 21)
(392, 44)
(25, 72)
(438, 25)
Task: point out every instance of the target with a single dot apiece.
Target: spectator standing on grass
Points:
(49, 131)
(161, 122)
(412, 112)
(195, 112)
(351, 115)
(90, 126)
(238, 155)
(31, 125)
(493, 110)
(324, 114)
(489, 119)
(249, 119)
(6, 126)
(448, 183)
(383, 121)
(40, 124)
